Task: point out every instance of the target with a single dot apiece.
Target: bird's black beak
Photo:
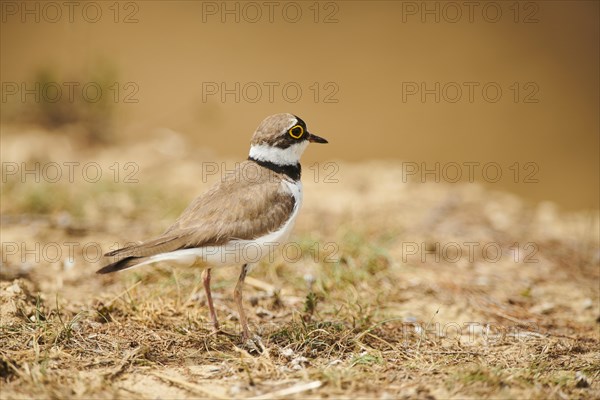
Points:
(316, 139)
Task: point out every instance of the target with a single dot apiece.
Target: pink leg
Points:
(237, 295)
(211, 307)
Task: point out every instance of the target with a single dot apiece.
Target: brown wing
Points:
(247, 204)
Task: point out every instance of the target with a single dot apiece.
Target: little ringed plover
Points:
(240, 219)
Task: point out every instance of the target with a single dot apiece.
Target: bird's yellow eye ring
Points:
(296, 131)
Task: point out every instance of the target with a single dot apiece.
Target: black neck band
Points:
(292, 171)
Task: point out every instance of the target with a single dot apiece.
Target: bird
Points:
(239, 220)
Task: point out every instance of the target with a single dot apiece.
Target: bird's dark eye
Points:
(296, 131)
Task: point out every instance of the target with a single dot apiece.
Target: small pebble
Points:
(587, 304)
(287, 352)
(581, 381)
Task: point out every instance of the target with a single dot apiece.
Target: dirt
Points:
(379, 303)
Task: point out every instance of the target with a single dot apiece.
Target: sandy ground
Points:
(391, 289)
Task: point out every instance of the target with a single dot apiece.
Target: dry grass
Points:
(367, 322)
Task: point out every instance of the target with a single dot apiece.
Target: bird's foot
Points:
(253, 344)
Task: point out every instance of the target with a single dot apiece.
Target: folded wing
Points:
(240, 207)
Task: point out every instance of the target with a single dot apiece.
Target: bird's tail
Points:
(142, 253)
(124, 263)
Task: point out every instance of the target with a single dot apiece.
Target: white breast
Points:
(283, 233)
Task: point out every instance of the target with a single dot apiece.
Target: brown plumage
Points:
(245, 205)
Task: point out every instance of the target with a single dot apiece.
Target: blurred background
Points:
(479, 89)
(454, 128)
